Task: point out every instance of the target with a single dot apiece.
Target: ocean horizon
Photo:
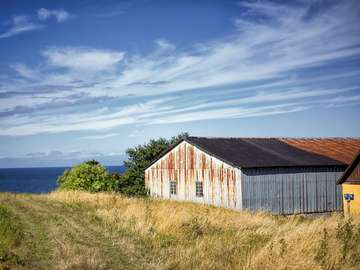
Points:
(36, 179)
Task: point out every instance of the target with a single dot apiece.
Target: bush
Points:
(88, 176)
(129, 184)
(92, 176)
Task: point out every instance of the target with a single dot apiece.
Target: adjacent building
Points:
(350, 182)
(279, 175)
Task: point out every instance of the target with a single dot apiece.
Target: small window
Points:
(172, 187)
(199, 189)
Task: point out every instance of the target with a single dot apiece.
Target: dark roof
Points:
(349, 169)
(257, 152)
(260, 152)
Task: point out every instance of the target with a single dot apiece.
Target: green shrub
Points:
(88, 176)
(131, 184)
(92, 176)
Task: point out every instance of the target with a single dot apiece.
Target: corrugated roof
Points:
(261, 152)
(341, 149)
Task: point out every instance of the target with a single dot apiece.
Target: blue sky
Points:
(88, 79)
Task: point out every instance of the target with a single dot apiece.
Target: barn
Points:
(279, 175)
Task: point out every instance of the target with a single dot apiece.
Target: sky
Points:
(89, 79)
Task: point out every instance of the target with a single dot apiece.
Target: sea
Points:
(36, 180)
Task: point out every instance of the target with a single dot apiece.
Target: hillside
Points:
(73, 230)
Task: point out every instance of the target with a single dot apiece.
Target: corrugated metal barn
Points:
(283, 176)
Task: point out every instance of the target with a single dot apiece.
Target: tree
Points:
(132, 181)
(92, 162)
(88, 176)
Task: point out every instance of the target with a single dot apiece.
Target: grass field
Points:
(74, 230)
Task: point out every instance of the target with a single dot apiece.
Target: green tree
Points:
(88, 176)
(132, 181)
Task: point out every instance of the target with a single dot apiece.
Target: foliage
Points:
(92, 176)
(92, 162)
(132, 181)
(88, 176)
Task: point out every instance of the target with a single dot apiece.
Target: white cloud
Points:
(29, 101)
(256, 51)
(166, 110)
(100, 119)
(20, 24)
(100, 137)
(82, 59)
(224, 113)
(56, 154)
(111, 13)
(26, 72)
(26, 23)
(59, 14)
(343, 100)
(265, 67)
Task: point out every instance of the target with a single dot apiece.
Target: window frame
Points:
(199, 189)
(173, 188)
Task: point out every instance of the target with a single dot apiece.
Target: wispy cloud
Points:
(25, 23)
(228, 113)
(111, 13)
(59, 14)
(279, 59)
(100, 137)
(82, 59)
(26, 72)
(100, 119)
(20, 24)
(59, 158)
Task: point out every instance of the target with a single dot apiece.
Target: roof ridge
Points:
(278, 138)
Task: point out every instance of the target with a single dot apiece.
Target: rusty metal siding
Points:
(187, 164)
(291, 190)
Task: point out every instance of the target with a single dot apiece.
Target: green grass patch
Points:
(10, 238)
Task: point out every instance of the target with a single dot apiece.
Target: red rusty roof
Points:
(341, 149)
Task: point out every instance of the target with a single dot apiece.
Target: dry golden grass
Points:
(108, 231)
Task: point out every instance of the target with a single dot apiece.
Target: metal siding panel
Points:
(239, 184)
(291, 190)
(296, 193)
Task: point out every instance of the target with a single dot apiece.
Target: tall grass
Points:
(174, 235)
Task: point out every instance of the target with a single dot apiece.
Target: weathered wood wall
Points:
(187, 164)
(354, 177)
(292, 190)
